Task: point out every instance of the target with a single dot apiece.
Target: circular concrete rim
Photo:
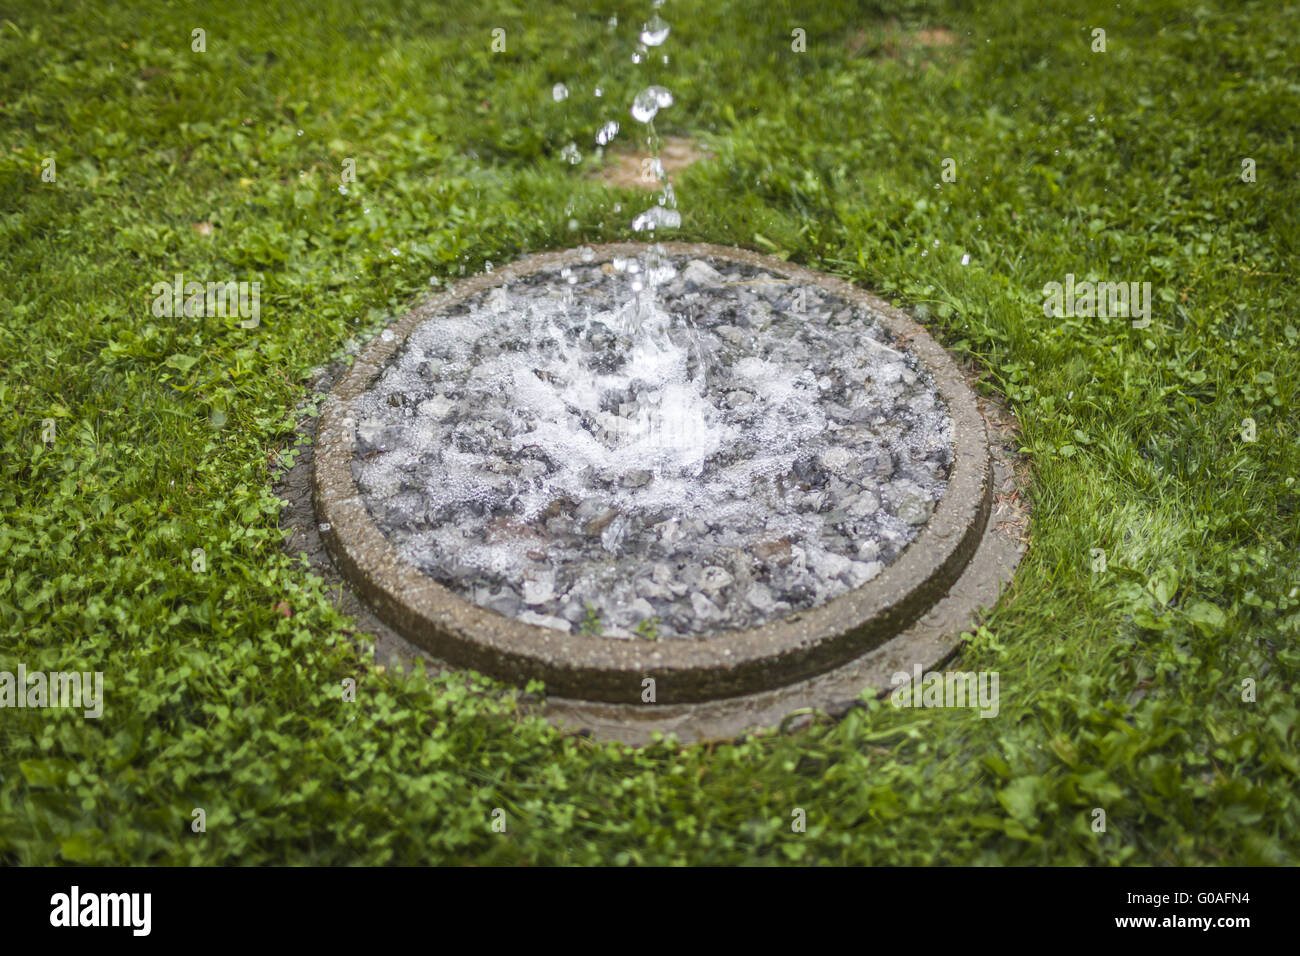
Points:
(729, 664)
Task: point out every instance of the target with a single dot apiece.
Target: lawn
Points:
(1162, 689)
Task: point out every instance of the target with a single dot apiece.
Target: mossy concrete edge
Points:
(731, 664)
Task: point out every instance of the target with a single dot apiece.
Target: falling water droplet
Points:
(657, 217)
(649, 102)
(559, 92)
(586, 253)
(654, 31)
(607, 133)
(571, 155)
(487, 265)
(965, 259)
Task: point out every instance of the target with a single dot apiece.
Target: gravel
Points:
(695, 453)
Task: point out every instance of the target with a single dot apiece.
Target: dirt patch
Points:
(630, 169)
(891, 40)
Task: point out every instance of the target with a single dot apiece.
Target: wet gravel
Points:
(583, 451)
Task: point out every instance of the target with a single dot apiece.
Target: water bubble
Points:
(571, 155)
(559, 92)
(607, 133)
(654, 31)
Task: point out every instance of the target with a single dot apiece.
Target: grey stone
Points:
(701, 275)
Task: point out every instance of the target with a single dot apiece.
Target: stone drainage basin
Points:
(690, 488)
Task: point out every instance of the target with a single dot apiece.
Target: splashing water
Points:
(555, 443)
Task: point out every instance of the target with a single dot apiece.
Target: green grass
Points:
(1119, 689)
